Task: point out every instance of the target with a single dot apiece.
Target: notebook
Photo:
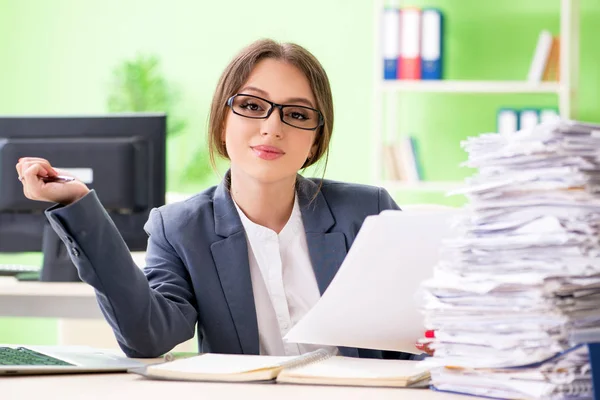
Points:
(318, 367)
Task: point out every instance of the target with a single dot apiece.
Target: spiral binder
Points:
(308, 358)
(576, 389)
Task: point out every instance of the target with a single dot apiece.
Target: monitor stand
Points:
(57, 265)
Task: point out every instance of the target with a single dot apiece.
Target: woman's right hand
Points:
(32, 170)
(423, 344)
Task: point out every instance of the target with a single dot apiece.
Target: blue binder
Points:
(390, 42)
(594, 349)
(591, 337)
(431, 44)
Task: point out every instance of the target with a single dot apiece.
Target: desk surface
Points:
(47, 300)
(129, 386)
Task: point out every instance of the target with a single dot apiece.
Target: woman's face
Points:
(269, 150)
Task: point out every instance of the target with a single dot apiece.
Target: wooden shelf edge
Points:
(423, 186)
(451, 86)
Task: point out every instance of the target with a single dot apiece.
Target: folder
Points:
(540, 57)
(431, 44)
(549, 115)
(552, 69)
(407, 159)
(507, 121)
(410, 43)
(390, 42)
(528, 118)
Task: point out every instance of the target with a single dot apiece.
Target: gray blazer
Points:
(197, 265)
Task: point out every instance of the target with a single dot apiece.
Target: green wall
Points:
(56, 58)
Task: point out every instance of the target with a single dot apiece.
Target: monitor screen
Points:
(122, 157)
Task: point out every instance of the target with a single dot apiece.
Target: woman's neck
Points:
(266, 204)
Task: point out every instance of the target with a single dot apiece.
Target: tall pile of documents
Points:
(523, 274)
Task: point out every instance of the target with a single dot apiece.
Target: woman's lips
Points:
(267, 152)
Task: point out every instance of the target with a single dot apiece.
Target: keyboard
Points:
(23, 356)
(15, 269)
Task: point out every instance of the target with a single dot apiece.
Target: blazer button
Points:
(75, 252)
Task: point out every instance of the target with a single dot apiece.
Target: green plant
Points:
(138, 85)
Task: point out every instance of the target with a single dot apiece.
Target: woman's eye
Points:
(298, 115)
(251, 106)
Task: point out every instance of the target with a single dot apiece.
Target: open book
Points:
(318, 367)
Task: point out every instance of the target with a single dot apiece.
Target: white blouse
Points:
(283, 282)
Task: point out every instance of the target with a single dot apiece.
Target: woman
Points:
(244, 260)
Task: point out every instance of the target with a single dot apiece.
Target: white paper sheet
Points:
(372, 301)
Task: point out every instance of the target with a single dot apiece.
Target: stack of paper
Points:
(524, 272)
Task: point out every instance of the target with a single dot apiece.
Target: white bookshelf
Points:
(423, 186)
(448, 86)
(565, 89)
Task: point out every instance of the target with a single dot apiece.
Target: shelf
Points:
(423, 186)
(449, 86)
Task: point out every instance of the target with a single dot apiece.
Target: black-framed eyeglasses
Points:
(255, 107)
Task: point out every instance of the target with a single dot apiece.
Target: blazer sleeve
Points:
(385, 201)
(150, 312)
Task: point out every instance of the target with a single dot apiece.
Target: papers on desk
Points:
(372, 301)
(525, 272)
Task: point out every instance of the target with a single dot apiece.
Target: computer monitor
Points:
(122, 157)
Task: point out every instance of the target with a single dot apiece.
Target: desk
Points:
(48, 300)
(129, 386)
(74, 303)
(52, 299)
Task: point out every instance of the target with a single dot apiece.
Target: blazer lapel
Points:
(231, 259)
(327, 249)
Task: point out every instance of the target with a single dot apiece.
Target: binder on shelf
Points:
(549, 115)
(552, 69)
(393, 168)
(540, 57)
(528, 118)
(406, 157)
(507, 121)
(410, 44)
(390, 42)
(431, 44)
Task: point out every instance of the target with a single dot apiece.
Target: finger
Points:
(25, 161)
(31, 159)
(44, 168)
(32, 182)
(428, 350)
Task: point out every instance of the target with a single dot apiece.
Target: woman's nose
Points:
(273, 124)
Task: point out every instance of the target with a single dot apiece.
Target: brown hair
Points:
(238, 71)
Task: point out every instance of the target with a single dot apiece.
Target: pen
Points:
(58, 178)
